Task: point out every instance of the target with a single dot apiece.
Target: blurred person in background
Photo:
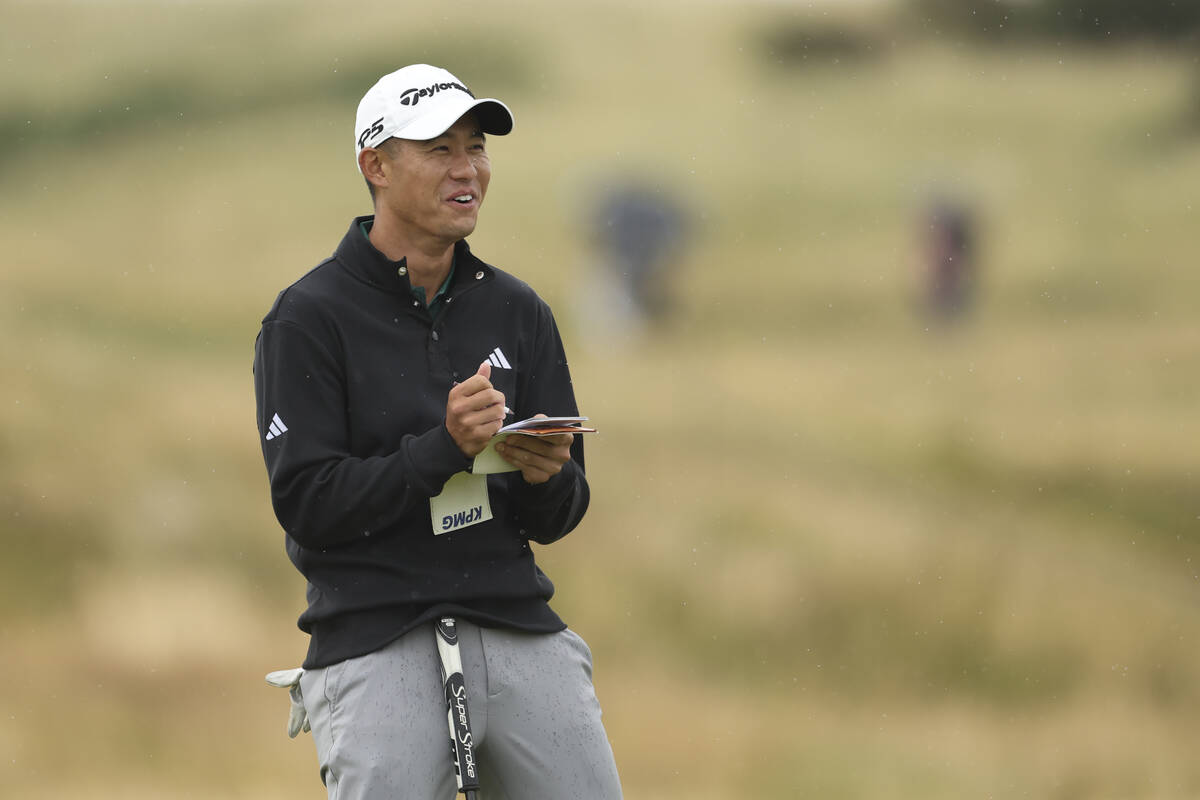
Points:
(637, 232)
(379, 376)
(949, 259)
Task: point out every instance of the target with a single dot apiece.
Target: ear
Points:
(371, 162)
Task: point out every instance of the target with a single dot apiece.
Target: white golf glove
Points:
(290, 679)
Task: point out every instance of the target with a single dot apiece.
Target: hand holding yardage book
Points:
(489, 461)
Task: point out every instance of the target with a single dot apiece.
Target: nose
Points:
(463, 166)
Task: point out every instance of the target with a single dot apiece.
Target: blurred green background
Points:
(838, 547)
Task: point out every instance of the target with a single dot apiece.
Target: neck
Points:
(428, 259)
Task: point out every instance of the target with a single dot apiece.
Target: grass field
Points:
(834, 550)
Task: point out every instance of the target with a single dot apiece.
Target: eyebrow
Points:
(475, 134)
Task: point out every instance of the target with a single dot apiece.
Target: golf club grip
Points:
(462, 746)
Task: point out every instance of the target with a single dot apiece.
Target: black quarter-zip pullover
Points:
(351, 377)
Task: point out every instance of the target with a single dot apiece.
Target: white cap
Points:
(421, 102)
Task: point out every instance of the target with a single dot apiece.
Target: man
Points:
(379, 376)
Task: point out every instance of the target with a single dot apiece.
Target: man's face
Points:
(436, 187)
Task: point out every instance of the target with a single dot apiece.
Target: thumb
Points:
(485, 369)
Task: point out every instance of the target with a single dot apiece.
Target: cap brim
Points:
(494, 118)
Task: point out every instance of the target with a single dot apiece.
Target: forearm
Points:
(338, 499)
(549, 511)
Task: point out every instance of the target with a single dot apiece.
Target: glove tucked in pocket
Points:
(290, 679)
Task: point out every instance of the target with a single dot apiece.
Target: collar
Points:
(360, 258)
(440, 296)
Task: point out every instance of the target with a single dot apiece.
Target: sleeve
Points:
(322, 495)
(549, 511)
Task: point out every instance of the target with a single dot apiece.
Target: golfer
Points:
(379, 375)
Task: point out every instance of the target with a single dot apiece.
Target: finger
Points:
(473, 394)
(487, 420)
(472, 385)
(490, 400)
(558, 440)
(538, 473)
(480, 381)
(534, 467)
(525, 451)
(545, 445)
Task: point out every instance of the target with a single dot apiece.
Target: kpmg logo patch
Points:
(411, 97)
(461, 519)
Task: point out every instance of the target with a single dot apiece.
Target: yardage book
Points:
(463, 501)
(545, 426)
(489, 461)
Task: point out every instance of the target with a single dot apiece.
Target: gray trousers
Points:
(379, 720)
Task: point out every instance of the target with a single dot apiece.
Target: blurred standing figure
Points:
(950, 259)
(639, 229)
(379, 375)
(637, 232)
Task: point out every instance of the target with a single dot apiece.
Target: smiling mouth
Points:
(463, 199)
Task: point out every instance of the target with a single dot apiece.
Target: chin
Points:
(462, 231)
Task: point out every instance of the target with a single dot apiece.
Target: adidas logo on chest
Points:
(496, 359)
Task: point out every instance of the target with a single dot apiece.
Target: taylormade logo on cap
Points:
(421, 102)
(413, 96)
